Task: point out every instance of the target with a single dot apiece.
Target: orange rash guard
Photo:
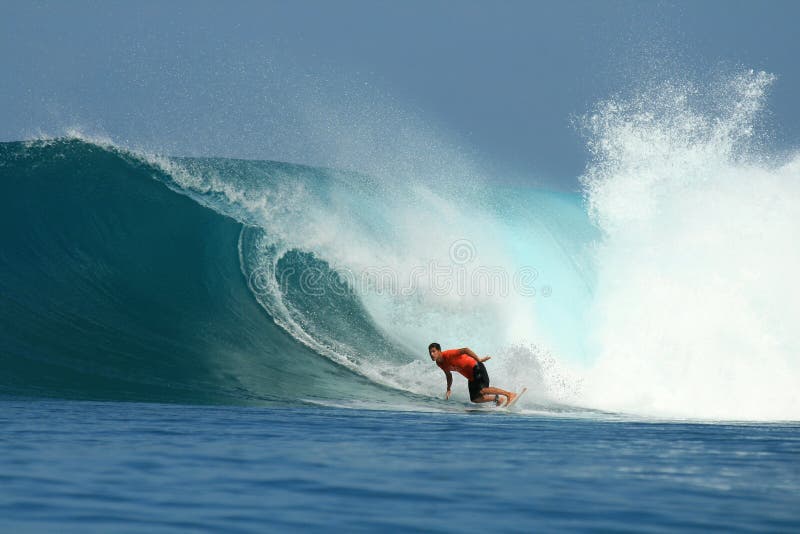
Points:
(455, 360)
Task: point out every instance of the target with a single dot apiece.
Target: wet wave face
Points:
(116, 287)
(665, 289)
(206, 280)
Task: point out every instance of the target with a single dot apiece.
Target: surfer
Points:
(468, 363)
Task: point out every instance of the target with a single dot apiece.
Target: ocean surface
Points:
(218, 344)
(77, 466)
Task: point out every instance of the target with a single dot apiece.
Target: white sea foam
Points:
(696, 308)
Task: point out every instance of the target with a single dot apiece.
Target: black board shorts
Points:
(480, 380)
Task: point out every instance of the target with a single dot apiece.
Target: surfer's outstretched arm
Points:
(449, 376)
(468, 351)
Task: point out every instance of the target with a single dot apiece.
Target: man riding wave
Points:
(468, 364)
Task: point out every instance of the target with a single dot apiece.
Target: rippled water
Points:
(78, 466)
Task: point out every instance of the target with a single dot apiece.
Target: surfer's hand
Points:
(486, 358)
(447, 395)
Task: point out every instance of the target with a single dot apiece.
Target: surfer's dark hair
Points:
(434, 346)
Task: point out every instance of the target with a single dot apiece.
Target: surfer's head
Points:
(435, 350)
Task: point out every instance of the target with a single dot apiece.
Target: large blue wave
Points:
(113, 286)
(666, 289)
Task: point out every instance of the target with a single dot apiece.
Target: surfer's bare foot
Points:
(511, 397)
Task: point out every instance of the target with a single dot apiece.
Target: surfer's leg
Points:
(497, 391)
(480, 391)
(486, 398)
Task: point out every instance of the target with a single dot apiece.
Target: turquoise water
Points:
(109, 467)
(131, 277)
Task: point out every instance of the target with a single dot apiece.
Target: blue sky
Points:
(296, 81)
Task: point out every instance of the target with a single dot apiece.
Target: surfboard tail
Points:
(516, 398)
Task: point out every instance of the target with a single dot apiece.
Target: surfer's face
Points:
(435, 353)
